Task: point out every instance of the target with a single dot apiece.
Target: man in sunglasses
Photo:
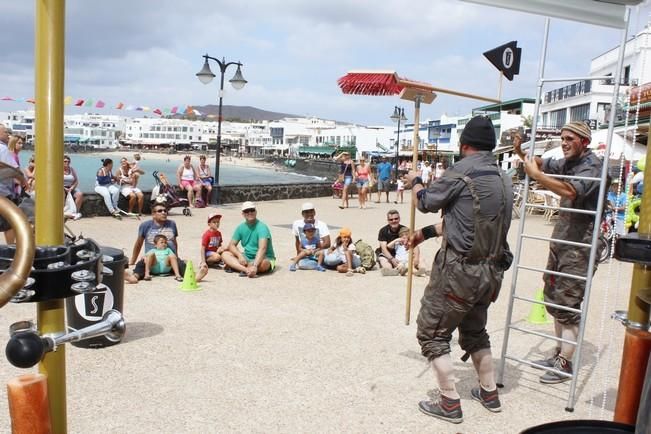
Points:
(386, 256)
(258, 256)
(159, 224)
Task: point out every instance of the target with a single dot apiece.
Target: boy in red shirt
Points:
(211, 245)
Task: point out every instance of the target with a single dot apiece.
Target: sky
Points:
(147, 53)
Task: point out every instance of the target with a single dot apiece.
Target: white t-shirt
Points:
(402, 255)
(426, 173)
(341, 253)
(321, 229)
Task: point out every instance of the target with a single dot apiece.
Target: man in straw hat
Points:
(578, 160)
(476, 199)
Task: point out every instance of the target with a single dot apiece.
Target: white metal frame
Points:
(576, 361)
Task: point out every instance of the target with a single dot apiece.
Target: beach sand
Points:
(307, 351)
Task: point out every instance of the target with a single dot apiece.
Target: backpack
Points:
(366, 254)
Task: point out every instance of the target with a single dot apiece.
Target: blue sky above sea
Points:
(147, 53)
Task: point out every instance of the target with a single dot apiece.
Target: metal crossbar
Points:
(576, 360)
(555, 273)
(556, 240)
(542, 335)
(546, 303)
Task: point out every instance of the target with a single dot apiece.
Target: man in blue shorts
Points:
(383, 178)
(258, 256)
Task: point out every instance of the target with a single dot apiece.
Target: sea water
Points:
(87, 166)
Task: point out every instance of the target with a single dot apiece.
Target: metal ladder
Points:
(510, 325)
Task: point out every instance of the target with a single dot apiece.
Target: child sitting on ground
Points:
(310, 248)
(161, 259)
(400, 245)
(343, 255)
(211, 246)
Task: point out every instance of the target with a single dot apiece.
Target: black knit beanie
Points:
(479, 133)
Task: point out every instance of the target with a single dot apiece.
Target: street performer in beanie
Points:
(579, 194)
(476, 199)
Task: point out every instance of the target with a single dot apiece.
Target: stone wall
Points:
(94, 204)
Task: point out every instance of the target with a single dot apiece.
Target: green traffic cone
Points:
(538, 314)
(189, 279)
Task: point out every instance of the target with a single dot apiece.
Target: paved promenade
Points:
(309, 351)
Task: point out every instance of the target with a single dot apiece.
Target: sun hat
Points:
(212, 215)
(307, 206)
(248, 205)
(579, 128)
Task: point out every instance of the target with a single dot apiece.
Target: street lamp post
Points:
(398, 116)
(238, 82)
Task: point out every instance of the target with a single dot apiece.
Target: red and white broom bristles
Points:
(383, 83)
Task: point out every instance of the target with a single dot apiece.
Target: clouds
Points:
(144, 52)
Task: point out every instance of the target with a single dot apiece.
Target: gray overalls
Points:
(462, 286)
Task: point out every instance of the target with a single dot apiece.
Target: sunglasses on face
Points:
(247, 211)
(395, 219)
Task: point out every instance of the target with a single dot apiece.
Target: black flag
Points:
(506, 58)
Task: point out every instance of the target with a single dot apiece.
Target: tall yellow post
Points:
(49, 79)
(637, 340)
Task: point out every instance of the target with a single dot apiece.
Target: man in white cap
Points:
(309, 216)
(578, 160)
(258, 256)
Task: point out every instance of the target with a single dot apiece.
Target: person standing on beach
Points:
(347, 175)
(364, 177)
(476, 199)
(321, 231)
(383, 178)
(258, 256)
(579, 160)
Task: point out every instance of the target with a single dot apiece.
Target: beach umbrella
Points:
(632, 151)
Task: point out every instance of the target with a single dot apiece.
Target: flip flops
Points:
(178, 279)
(146, 278)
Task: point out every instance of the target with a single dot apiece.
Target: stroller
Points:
(164, 192)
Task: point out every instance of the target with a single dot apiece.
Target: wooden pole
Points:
(412, 217)
(499, 86)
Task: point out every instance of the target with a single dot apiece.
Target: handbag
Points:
(69, 207)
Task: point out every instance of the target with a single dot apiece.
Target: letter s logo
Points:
(93, 301)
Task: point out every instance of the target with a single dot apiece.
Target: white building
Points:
(590, 99)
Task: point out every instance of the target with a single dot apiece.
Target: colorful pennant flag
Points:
(100, 104)
(6, 98)
(67, 100)
(89, 103)
(174, 109)
(158, 112)
(79, 102)
(119, 106)
(31, 100)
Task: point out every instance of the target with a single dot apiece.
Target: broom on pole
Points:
(389, 83)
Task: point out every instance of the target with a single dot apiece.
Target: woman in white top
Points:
(205, 176)
(188, 179)
(128, 180)
(70, 184)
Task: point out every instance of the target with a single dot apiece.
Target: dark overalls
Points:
(462, 286)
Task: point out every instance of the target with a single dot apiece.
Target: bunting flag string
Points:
(90, 103)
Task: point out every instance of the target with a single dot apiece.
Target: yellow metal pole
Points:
(637, 341)
(49, 79)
